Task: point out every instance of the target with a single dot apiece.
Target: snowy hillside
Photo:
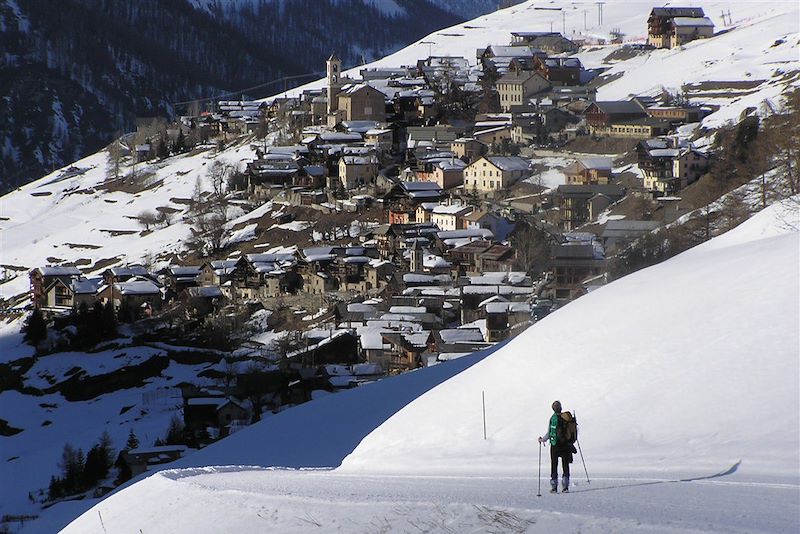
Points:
(76, 216)
(673, 372)
(670, 370)
(758, 47)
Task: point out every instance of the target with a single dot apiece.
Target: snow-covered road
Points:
(263, 500)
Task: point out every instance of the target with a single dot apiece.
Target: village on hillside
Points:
(417, 219)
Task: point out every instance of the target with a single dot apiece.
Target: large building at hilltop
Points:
(671, 27)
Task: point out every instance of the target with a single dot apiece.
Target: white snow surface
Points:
(684, 378)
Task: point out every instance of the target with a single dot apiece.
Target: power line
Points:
(272, 82)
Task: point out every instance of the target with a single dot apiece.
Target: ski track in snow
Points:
(327, 501)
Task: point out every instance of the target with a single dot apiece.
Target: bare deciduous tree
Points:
(147, 219)
(115, 157)
(531, 246)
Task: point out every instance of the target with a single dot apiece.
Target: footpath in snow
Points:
(245, 500)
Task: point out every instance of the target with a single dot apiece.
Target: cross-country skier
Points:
(559, 448)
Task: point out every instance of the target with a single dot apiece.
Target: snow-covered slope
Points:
(758, 46)
(685, 371)
(86, 216)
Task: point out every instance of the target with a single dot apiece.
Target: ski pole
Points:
(575, 415)
(540, 470)
(583, 462)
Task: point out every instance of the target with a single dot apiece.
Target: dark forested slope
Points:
(73, 72)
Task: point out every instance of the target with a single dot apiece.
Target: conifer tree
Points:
(108, 320)
(55, 489)
(35, 327)
(162, 151)
(180, 143)
(133, 441)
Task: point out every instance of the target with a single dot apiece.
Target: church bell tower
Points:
(334, 71)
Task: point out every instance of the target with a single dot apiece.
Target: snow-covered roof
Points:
(507, 307)
(138, 287)
(432, 261)
(692, 22)
(358, 160)
(479, 233)
(417, 278)
(205, 292)
(597, 162)
(453, 209)
(184, 270)
(356, 259)
(86, 285)
(664, 152)
(509, 163)
(359, 307)
(54, 270)
(457, 335)
(497, 290)
(408, 309)
(453, 164)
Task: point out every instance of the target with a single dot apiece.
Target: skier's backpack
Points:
(567, 429)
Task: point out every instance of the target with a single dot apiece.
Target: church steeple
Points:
(416, 262)
(334, 71)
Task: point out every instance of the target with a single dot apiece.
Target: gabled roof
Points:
(597, 162)
(618, 107)
(420, 186)
(204, 292)
(677, 12)
(473, 247)
(138, 287)
(588, 191)
(339, 137)
(518, 78)
(455, 335)
(454, 209)
(88, 286)
(625, 226)
(509, 163)
(54, 270)
(479, 233)
(534, 34)
(358, 88)
(664, 152)
(131, 270)
(503, 51)
(184, 270)
(269, 257)
(563, 62)
(692, 22)
(359, 160)
(497, 252)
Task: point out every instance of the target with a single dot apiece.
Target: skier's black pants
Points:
(555, 454)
